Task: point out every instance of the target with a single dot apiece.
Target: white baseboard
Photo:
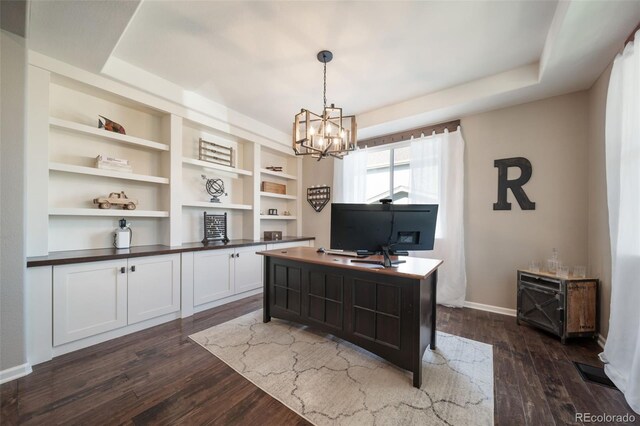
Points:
(226, 300)
(15, 372)
(490, 308)
(601, 340)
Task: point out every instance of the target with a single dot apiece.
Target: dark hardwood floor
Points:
(158, 376)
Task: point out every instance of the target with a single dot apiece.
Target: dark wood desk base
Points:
(392, 316)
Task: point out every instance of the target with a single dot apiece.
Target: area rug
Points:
(329, 381)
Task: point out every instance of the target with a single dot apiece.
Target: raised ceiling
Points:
(396, 63)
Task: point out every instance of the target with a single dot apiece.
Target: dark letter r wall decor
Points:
(514, 185)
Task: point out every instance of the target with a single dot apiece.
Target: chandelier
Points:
(329, 134)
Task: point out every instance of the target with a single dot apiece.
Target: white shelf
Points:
(268, 217)
(283, 196)
(220, 206)
(106, 212)
(213, 166)
(70, 168)
(105, 134)
(278, 174)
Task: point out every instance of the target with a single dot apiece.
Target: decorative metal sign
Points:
(215, 153)
(215, 228)
(318, 196)
(514, 185)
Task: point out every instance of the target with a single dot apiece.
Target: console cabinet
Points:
(248, 268)
(88, 299)
(153, 287)
(222, 273)
(566, 307)
(96, 297)
(78, 299)
(212, 275)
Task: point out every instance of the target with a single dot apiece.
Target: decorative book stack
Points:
(112, 163)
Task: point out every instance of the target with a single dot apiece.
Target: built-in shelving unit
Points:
(106, 212)
(70, 168)
(117, 137)
(274, 195)
(290, 201)
(273, 217)
(216, 167)
(278, 174)
(161, 146)
(220, 206)
(164, 175)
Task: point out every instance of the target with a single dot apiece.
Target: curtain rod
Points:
(451, 126)
(632, 35)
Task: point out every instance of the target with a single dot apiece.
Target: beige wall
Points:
(598, 219)
(316, 224)
(552, 134)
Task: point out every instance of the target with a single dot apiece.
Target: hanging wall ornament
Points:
(318, 196)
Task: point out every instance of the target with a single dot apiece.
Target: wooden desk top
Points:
(415, 267)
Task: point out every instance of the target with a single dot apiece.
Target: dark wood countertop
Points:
(93, 255)
(415, 267)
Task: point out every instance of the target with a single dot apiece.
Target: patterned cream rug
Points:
(329, 381)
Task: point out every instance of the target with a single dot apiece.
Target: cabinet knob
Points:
(133, 268)
(233, 255)
(238, 255)
(123, 270)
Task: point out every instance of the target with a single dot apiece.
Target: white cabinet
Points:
(222, 273)
(212, 275)
(248, 268)
(95, 297)
(153, 287)
(88, 298)
(273, 246)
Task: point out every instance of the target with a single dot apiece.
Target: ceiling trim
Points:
(124, 31)
(425, 108)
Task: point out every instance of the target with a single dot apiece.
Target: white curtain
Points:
(622, 350)
(350, 178)
(437, 177)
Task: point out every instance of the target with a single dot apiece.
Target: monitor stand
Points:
(386, 259)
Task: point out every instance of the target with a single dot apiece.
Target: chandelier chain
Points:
(325, 86)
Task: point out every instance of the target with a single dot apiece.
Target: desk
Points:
(388, 311)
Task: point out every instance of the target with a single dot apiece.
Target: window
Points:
(388, 174)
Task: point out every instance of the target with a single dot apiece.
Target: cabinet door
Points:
(154, 286)
(212, 275)
(88, 299)
(248, 268)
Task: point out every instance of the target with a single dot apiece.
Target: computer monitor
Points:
(383, 228)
